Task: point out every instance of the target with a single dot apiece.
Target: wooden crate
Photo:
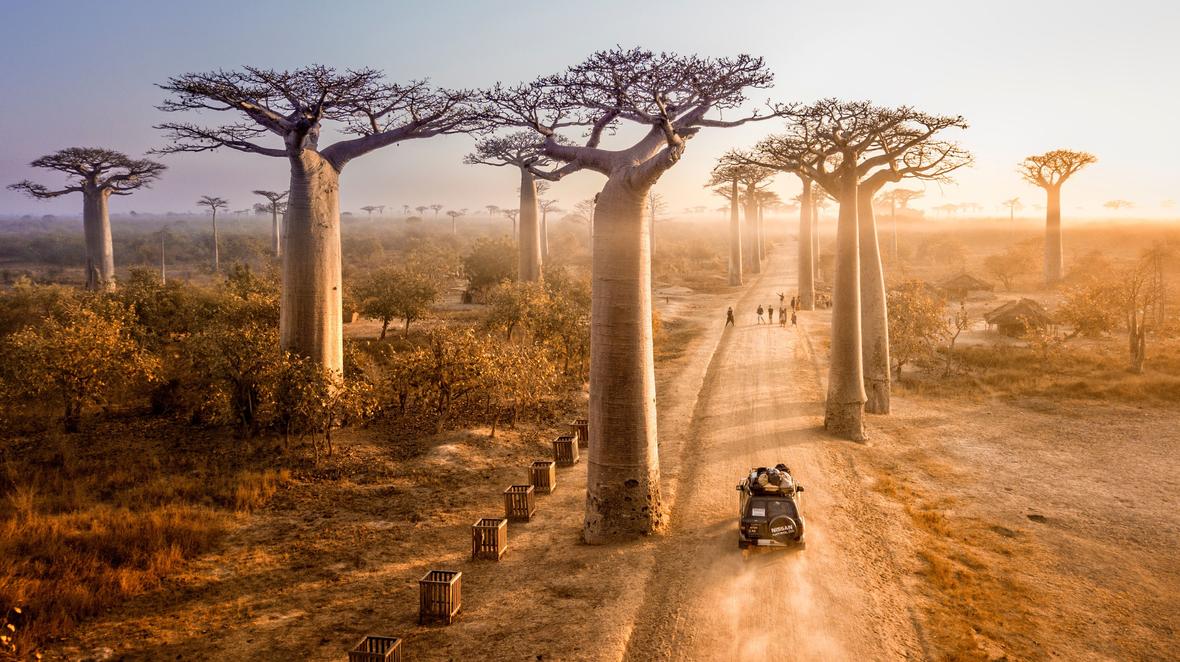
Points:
(520, 502)
(581, 428)
(543, 476)
(439, 596)
(565, 450)
(376, 649)
(489, 538)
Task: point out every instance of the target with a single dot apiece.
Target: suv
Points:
(769, 509)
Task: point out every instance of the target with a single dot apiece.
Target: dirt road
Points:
(841, 597)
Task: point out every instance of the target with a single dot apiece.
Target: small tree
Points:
(490, 262)
(916, 324)
(214, 204)
(1137, 292)
(1091, 307)
(511, 305)
(1016, 261)
(97, 174)
(1050, 171)
(396, 292)
(77, 357)
(959, 322)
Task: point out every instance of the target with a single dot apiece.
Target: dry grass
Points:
(977, 607)
(1081, 370)
(93, 519)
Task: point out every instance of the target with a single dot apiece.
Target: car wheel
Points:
(743, 544)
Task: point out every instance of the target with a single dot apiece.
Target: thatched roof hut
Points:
(1014, 317)
(961, 286)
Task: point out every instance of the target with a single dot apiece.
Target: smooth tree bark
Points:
(873, 301)
(292, 105)
(673, 96)
(530, 255)
(1050, 171)
(214, 204)
(276, 207)
(97, 174)
(546, 207)
(806, 285)
(736, 264)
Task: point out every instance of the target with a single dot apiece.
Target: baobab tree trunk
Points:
(216, 261)
(815, 255)
(874, 312)
(529, 265)
(311, 320)
(1053, 247)
(806, 253)
(100, 255)
(623, 479)
(750, 236)
(544, 237)
(761, 234)
(735, 237)
(893, 222)
(844, 412)
(276, 237)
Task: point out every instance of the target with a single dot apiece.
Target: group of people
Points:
(766, 314)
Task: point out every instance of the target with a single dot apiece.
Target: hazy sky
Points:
(1028, 75)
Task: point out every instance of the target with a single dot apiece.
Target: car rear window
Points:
(770, 508)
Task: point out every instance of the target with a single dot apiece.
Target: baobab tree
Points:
(493, 210)
(584, 213)
(547, 207)
(97, 174)
(1115, 205)
(369, 209)
(455, 215)
(511, 214)
(421, 209)
(753, 177)
(852, 149)
(275, 205)
(897, 198)
(436, 208)
(808, 218)
(726, 178)
(520, 150)
(1049, 171)
(672, 96)
(214, 203)
(293, 105)
(655, 209)
(1012, 204)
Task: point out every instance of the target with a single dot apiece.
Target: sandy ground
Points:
(840, 597)
(962, 530)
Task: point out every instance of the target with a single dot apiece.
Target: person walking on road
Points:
(794, 319)
(761, 313)
(782, 317)
(770, 313)
(729, 317)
